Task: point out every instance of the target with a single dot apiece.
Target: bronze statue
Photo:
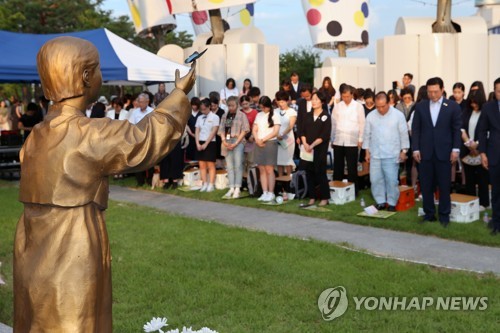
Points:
(443, 23)
(62, 271)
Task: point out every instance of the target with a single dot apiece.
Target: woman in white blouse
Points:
(229, 90)
(265, 131)
(286, 138)
(206, 129)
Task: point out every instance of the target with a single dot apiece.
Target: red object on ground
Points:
(406, 198)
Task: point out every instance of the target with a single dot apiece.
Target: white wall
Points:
(354, 71)
(493, 61)
(397, 55)
(463, 57)
(258, 62)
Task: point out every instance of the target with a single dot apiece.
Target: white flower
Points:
(155, 325)
(323, 119)
(206, 330)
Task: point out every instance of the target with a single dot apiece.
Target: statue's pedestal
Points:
(469, 56)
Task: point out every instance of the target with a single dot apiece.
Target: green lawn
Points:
(232, 280)
(475, 232)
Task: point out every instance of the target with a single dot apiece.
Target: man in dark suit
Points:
(296, 86)
(304, 106)
(436, 145)
(489, 146)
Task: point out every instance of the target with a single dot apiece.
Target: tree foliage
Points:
(302, 60)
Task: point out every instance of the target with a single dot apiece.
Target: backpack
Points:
(253, 184)
(299, 184)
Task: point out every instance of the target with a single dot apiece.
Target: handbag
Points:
(472, 160)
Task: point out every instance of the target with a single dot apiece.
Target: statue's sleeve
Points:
(121, 147)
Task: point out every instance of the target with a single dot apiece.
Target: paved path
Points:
(381, 242)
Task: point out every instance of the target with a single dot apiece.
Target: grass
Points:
(232, 280)
(407, 221)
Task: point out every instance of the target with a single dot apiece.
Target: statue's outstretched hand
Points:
(186, 83)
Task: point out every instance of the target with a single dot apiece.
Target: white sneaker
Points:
(229, 193)
(262, 197)
(270, 197)
(236, 193)
(210, 188)
(204, 187)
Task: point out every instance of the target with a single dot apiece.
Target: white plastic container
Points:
(464, 208)
(191, 176)
(341, 192)
(221, 180)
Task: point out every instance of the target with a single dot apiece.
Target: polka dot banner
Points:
(235, 17)
(333, 21)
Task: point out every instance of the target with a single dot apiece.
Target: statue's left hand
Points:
(186, 83)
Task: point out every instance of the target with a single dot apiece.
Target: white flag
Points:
(150, 13)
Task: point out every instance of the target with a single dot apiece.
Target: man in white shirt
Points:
(386, 142)
(137, 114)
(348, 122)
(135, 117)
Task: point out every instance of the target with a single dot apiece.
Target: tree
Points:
(302, 60)
(45, 16)
(181, 38)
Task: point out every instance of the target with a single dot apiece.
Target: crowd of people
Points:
(419, 133)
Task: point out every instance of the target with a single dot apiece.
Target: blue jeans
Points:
(384, 179)
(234, 164)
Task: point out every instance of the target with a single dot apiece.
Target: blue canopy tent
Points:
(121, 61)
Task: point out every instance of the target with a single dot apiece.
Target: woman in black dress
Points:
(315, 139)
(191, 128)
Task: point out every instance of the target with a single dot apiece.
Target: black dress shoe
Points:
(391, 208)
(444, 222)
(495, 228)
(428, 219)
(490, 225)
(380, 206)
(174, 186)
(166, 186)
